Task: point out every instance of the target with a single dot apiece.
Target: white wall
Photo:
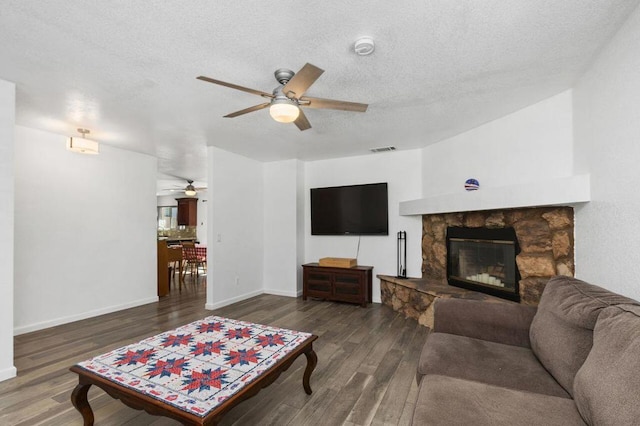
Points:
(281, 242)
(607, 145)
(167, 200)
(202, 211)
(529, 145)
(85, 243)
(7, 123)
(401, 170)
(235, 214)
(300, 222)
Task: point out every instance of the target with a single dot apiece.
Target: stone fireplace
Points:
(543, 248)
(544, 236)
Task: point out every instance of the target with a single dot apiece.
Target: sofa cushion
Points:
(509, 366)
(451, 401)
(561, 332)
(500, 322)
(607, 387)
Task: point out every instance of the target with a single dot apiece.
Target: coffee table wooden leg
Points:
(312, 361)
(81, 402)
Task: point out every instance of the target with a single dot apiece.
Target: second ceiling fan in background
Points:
(188, 190)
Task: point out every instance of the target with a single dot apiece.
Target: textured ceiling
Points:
(126, 69)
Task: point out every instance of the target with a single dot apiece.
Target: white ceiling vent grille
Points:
(383, 149)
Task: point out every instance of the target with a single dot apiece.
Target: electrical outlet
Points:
(219, 238)
(237, 280)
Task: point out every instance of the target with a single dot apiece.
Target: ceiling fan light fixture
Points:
(284, 110)
(190, 191)
(286, 100)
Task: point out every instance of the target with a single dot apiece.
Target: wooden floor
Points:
(365, 375)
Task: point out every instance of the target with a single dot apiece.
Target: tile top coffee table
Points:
(197, 372)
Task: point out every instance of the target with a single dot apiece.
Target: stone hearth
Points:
(545, 236)
(414, 297)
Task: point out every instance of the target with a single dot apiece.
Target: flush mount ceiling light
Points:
(364, 46)
(83, 145)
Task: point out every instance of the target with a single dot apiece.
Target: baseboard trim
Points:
(283, 293)
(226, 302)
(84, 315)
(8, 373)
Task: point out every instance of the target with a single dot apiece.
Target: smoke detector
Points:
(364, 46)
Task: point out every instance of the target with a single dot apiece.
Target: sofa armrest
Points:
(506, 323)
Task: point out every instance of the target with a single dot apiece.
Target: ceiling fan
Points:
(189, 190)
(286, 100)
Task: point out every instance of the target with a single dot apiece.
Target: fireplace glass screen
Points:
(483, 260)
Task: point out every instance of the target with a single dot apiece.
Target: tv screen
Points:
(345, 210)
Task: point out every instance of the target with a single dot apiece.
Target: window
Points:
(167, 218)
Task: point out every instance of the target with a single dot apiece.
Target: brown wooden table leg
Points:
(81, 402)
(312, 361)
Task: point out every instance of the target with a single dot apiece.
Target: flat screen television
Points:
(350, 210)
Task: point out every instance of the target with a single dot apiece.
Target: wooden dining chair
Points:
(175, 264)
(192, 261)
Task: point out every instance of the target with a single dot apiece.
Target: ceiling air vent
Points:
(383, 149)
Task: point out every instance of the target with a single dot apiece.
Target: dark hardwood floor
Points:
(365, 375)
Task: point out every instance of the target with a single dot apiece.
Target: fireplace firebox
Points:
(484, 260)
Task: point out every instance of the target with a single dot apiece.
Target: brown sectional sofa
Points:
(574, 360)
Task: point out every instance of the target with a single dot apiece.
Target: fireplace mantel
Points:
(567, 191)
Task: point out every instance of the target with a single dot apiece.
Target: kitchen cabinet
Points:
(187, 211)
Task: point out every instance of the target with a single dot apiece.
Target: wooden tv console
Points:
(338, 284)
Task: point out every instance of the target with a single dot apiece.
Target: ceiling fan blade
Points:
(301, 81)
(248, 110)
(332, 104)
(302, 122)
(235, 86)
